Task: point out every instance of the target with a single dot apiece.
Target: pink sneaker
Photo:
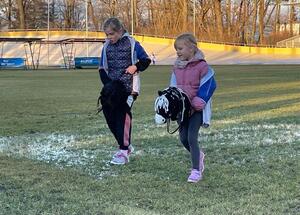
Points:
(201, 162)
(120, 158)
(129, 152)
(195, 176)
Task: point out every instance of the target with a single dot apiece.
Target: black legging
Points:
(188, 134)
(119, 123)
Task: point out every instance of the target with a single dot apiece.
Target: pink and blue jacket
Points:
(196, 79)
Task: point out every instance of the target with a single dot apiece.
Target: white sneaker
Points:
(195, 176)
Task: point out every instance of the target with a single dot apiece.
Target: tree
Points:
(9, 14)
(228, 17)
(6, 14)
(218, 19)
(276, 21)
(92, 14)
(261, 21)
(183, 8)
(292, 17)
(221, 20)
(254, 20)
(21, 14)
(36, 14)
(69, 13)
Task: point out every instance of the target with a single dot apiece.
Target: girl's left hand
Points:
(198, 104)
(131, 69)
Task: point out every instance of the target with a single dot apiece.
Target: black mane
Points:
(113, 95)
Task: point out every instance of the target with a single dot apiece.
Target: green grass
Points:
(55, 152)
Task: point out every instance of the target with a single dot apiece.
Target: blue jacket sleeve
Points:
(207, 87)
(140, 52)
(101, 60)
(143, 58)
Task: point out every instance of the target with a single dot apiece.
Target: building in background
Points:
(286, 27)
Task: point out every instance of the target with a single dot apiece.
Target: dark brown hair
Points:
(114, 23)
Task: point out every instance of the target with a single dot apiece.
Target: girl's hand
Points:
(131, 69)
(198, 104)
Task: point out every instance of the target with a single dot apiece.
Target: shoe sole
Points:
(193, 181)
(115, 163)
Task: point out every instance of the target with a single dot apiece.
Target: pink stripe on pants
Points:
(127, 130)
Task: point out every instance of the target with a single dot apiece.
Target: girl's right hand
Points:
(131, 69)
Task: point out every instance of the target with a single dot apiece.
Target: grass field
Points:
(55, 152)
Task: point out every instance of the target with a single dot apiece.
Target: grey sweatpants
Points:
(188, 134)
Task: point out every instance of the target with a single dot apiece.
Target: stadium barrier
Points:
(12, 63)
(272, 51)
(86, 62)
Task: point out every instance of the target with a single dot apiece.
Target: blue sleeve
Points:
(207, 89)
(140, 52)
(101, 59)
(142, 57)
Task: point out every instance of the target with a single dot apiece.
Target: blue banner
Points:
(86, 62)
(12, 62)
